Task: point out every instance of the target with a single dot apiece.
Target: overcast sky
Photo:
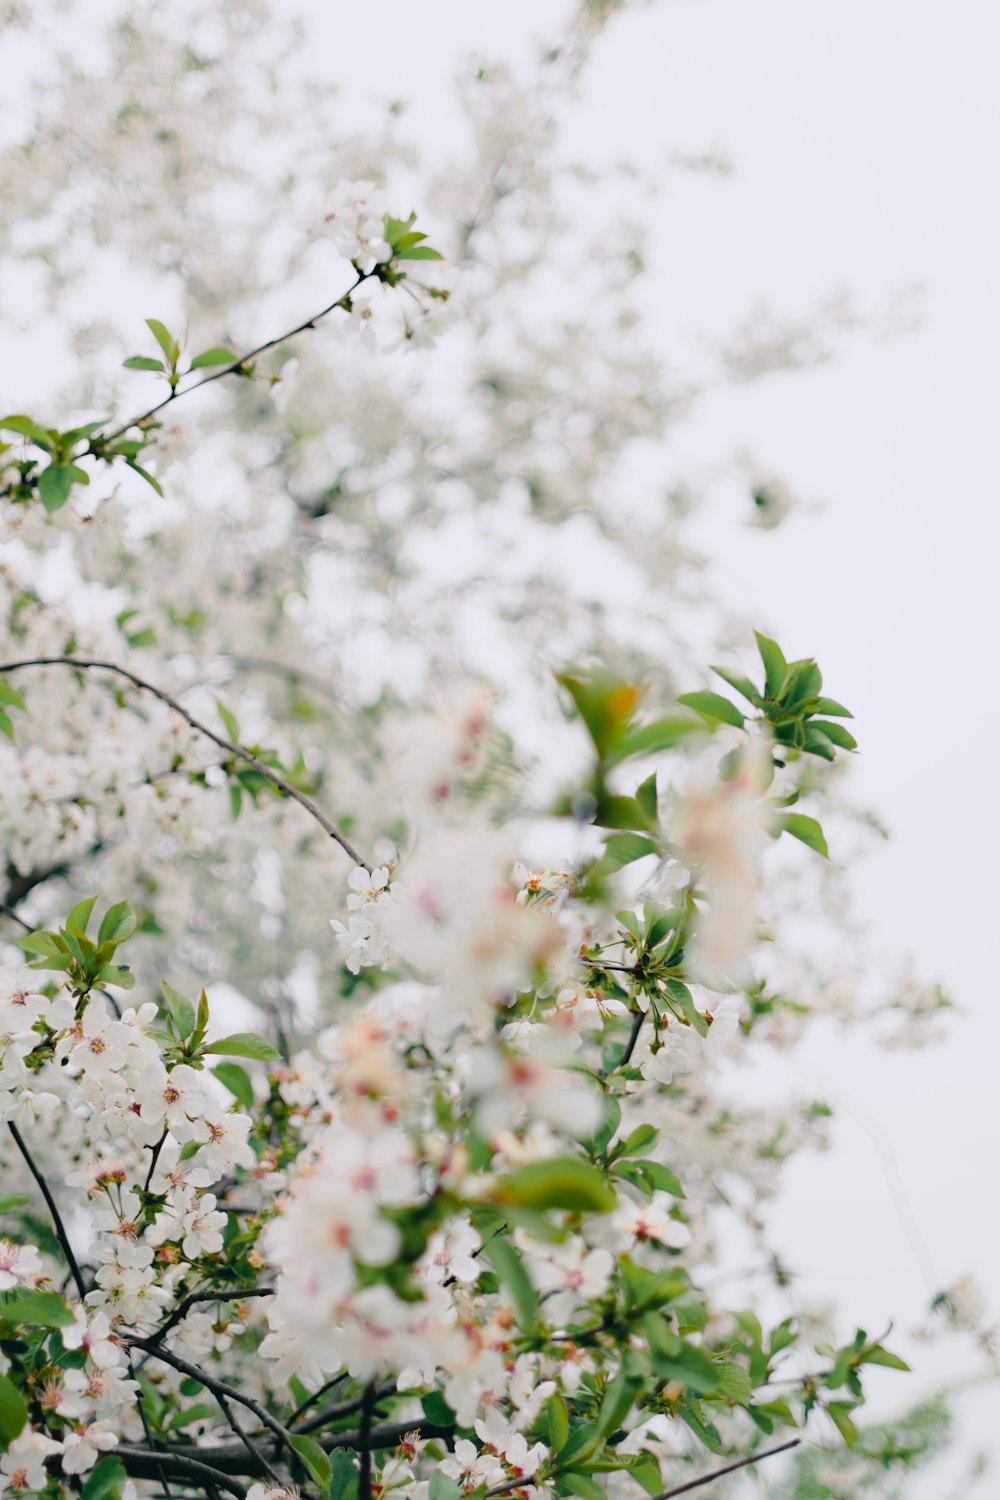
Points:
(864, 140)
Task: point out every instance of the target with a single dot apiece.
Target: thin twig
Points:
(338, 1409)
(182, 1308)
(247, 1441)
(140, 1402)
(217, 1387)
(235, 368)
(57, 1222)
(84, 664)
(741, 1463)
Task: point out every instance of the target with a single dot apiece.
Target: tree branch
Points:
(236, 368)
(217, 1387)
(741, 1463)
(142, 1464)
(183, 1308)
(84, 664)
(57, 1222)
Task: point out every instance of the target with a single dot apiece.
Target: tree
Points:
(436, 1217)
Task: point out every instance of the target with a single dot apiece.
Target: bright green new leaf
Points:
(565, 1182)
(840, 1415)
(143, 362)
(37, 1309)
(244, 1044)
(164, 338)
(775, 666)
(807, 830)
(237, 1081)
(218, 356)
(714, 708)
(117, 924)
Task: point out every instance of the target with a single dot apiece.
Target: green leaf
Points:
(144, 474)
(106, 1480)
(10, 695)
(506, 1260)
(315, 1459)
(577, 1484)
(618, 1397)
(564, 1182)
(661, 734)
(217, 356)
(418, 252)
(835, 732)
(807, 830)
(6, 726)
(734, 1384)
(558, 1419)
(143, 362)
(54, 485)
(244, 1044)
(831, 706)
(13, 1411)
(117, 924)
(39, 1309)
(623, 849)
(714, 708)
(229, 720)
(164, 338)
(839, 1414)
(79, 917)
(742, 684)
(344, 1476)
(29, 428)
(13, 1200)
(642, 1140)
(443, 1488)
(237, 1081)
(605, 704)
(879, 1356)
(180, 1010)
(663, 1179)
(775, 666)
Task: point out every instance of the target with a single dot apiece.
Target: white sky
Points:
(865, 142)
(864, 139)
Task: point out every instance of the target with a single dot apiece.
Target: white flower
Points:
(22, 1467)
(355, 222)
(651, 1221)
(17, 1263)
(84, 1446)
(94, 1337)
(202, 1228)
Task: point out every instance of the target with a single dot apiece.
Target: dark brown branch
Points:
(84, 664)
(236, 368)
(365, 1445)
(741, 1463)
(142, 1464)
(217, 1387)
(57, 1222)
(182, 1308)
